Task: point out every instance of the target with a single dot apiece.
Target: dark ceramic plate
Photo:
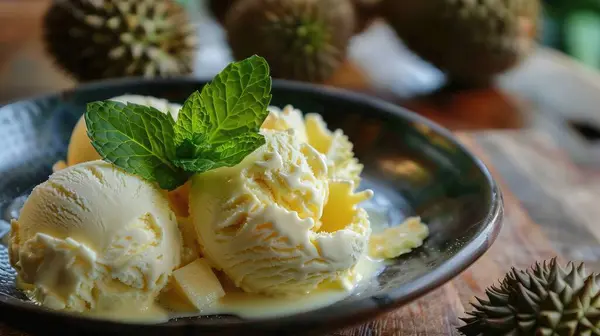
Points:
(414, 166)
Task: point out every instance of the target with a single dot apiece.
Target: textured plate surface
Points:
(414, 167)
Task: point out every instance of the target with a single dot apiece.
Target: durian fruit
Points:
(470, 40)
(219, 8)
(302, 40)
(97, 39)
(544, 300)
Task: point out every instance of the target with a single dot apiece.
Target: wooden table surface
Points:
(548, 170)
(551, 210)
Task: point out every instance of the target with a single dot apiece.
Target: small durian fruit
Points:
(97, 39)
(544, 300)
(470, 40)
(302, 40)
(219, 8)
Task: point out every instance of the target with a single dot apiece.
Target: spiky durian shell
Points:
(470, 40)
(302, 40)
(97, 39)
(544, 300)
(366, 11)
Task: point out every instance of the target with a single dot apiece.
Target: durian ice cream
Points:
(337, 148)
(276, 224)
(94, 238)
(283, 225)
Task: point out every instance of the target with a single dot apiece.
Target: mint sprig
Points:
(136, 138)
(217, 127)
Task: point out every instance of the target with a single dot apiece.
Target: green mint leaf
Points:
(198, 165)
(233, 104)
(203, 158)
(136, 138)
(234, 151)
(190, 121)
(187, 149)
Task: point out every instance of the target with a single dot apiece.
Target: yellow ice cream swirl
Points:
(276, 224)
(312, 129)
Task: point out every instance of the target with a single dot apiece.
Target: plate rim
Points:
(470, 252)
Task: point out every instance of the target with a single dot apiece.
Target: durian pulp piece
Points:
(198, 284)
(396, 241)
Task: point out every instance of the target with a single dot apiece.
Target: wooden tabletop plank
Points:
(558, 195)
(434, 314)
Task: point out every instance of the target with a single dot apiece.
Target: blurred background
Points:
(468, 64)
(573, 27)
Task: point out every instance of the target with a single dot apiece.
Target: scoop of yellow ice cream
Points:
(267, 222)
(337, 148)
(81, 150)
(94, 238)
